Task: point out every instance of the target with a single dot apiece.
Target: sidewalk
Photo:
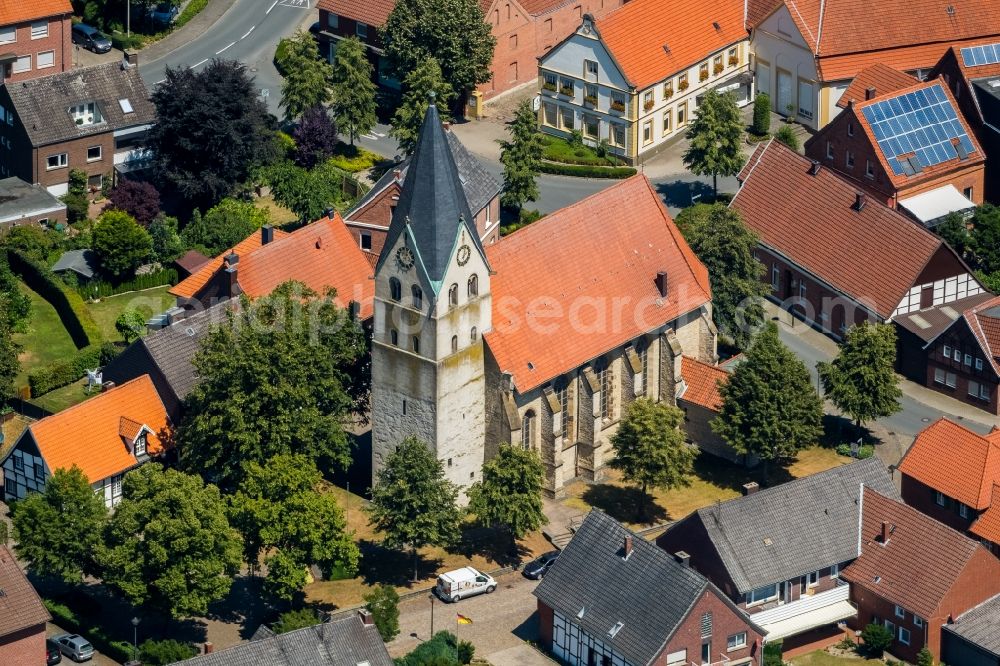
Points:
(187, 33)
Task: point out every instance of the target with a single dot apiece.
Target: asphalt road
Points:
(249, 32)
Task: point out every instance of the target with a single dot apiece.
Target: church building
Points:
(541, 339)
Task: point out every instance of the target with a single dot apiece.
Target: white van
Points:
(461, 583)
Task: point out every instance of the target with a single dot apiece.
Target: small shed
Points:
(83, 263)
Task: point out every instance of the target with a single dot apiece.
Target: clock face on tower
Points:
(463, 255)
(404, 258)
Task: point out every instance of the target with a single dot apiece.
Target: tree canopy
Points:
(521, 157)
(299, 375)
(413, 504)
(130, 324)
(168, 543)
(306, 76)
(986, 237)
(954, 230)
(383, 603)
(770, 408)
(57, 530)
(715, 138)
(315, 137)
(120, 243)
(224, 225)
(353, 89)
(307, 193)
(10, 364)
(167, 244)
(453, 32)
(862, 381)
(509, 496)
(409, 117)
(212, 129)
(650, 449)
(138, 198)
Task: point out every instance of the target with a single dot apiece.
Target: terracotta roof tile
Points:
(17, 11)
(372, 12)
(702, 382)
(190, 286)
(881, 77)
(758, 10)
(987, 526)
(608, 246)
(191, 261)
(958, 462)
(970, 72)
(921, 560)
(20, 605)
(811, 220)
(984, 322)
(88, 435)
(638, 32)
(904, 58)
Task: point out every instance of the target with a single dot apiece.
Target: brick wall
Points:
(50, 219)
(545, 617)
(922, 497)
(58, 41)
(24, 647)
(76, 153)
(958, 337)
(725, 622)
(690, 536)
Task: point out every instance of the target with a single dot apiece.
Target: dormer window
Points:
(85, 114)
(140, 444)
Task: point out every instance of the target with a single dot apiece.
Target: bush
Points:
(877, 639)
(137, 198)
(786, 135)
(67, 619)
(161, 653)
(146, 281)
(65, 372)
(122, 42)
(864, 451)
(586, 171)
(69, 305)
(353, 158)
(761, 115)
(925, 658)
(109, 352)
(444, 649)
(281, 54)
(295, 619)
(559, 150)
(192, 10)
(383, 603)
(846, 644)
(77, 207)
(772, 654)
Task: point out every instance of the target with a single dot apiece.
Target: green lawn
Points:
(556, 149)
(67, 396)
(822, 658)
(46, 340)
(150, 301)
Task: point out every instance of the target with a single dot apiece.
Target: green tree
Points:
(862, 381)
(443, 649)
(307, 76)
(761, 114)
(281, 508)
(691, 219)
(770, 409)
(58, 530)
(786, 135)
(224, 225)
(10, 364)
(77, 203)
(312, 360)
(989, 280)
(120, 243)
(521, 157)
(509, 496)
(167, 244)
(877, 639)
(168, 544)
(32, 241)
(409, 117)
(925, 658)
(130, 324)
(715, 137)
(650, 449)
(353, 89)
(307, 193)
(295, 619)
(726, 246)
(413, 504)
(954, 230)
(453, 32)
(986, 237)
(383, 603)
(164, 652)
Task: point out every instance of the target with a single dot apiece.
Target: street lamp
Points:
(135, 638)
(431, 597)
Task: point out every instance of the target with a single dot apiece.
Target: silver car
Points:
(74, 646)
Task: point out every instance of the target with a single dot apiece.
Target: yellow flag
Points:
(463, 620)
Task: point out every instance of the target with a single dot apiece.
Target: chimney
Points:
(231, 270)
(446, 125)
(750, 488)
(814, 168)
(266, 234)
(397, 174)
(628, 546)
(870, 92)
(683, 558)
(661, 283)
(231, 259)
(884, 535)
(209, 648)
(130, 59)
(107, 386)
(328, 213)
(859, 201)
(366, 617)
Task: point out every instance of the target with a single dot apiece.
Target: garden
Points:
(572, 157)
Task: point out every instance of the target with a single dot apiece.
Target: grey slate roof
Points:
(19, 199)
(479, 184)
(42, 104)
(980, 625)
(650, 592)
(432, 204)
(791, 529)
(81, 262)
(346, 642)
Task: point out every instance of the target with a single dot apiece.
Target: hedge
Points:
(193, 9)
(68, 303)
(581, 171)
(101, 289)
(63, 373)
(864, 451)
(63, 615)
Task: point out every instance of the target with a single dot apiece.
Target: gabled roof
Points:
(371, 12)
(873, 256)
(42, 104)
(88, 435)
(20, 605)
(960, 463)
(969, 70)
(432, 204)
(191, 261)
(929, 323)
(190, 286)
(980, 625)
(759, 537)
(921, 560)
(984, 321)
(987, 525)
(608, 246)
(18, 11)
(82, 262)
(702, 383)
(346, 642)
(652, 39)
(649, 592)
(881, 77)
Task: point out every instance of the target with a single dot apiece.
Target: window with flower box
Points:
(590, 95)
(566, 87)
(682, 82)
(717, 64)
(549, 82)
(703, 71)
(618, 102)
(647, 100)
(734, 58)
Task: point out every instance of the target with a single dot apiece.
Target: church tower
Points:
(432, 306)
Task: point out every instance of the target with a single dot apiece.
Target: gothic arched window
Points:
(418, 297)
(395, 289)
(528, 429)
(453, 295)
(473, 286)
(454, 344)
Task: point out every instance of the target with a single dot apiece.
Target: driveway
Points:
(500, 621)
(98, 660)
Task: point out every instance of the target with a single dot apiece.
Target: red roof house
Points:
(35, 39)
(701, 401)
(22, 615)
(914, 574)
(875, 80)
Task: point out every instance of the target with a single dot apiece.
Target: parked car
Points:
(74, 646)
(163, 12)
(52, 653)
(91, 38)
(462, 583)
(539, 566)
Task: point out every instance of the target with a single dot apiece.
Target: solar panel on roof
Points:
(922, 122)
(987, 54)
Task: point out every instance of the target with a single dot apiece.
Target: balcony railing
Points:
(806, 613)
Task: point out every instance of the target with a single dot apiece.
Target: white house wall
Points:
(779, 47)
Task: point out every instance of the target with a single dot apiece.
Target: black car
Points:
(540, 566)
(52, 653)
(91, 38)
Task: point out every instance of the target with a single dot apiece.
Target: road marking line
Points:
(378, 135)
(369, 137)
(159, 82)
(224, 48)
(248, 33)
(270, 8)
(198, 63)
